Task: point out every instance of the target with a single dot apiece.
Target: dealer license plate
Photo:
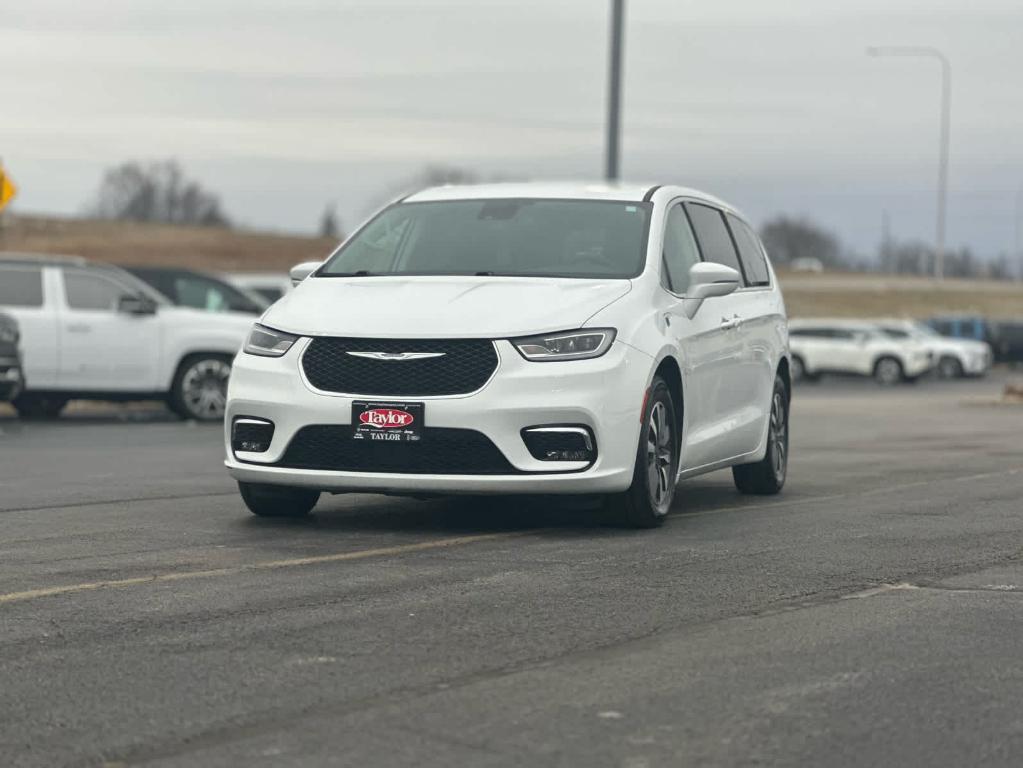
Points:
(387, 422)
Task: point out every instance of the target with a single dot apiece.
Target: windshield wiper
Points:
(356, 273)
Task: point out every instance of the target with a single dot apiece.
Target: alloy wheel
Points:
(779, 437)
(889, 371)
(660, 458)
(204, 388)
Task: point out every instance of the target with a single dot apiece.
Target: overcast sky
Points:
(283, 105)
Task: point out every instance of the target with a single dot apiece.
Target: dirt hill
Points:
(868, 295)
(217, 249)
(116, 242)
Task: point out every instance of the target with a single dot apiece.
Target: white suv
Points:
(954, 358)
(96, 332)
(531, 338)
(855, 347)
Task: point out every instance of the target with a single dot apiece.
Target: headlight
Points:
(573, 345)
(8, 334)
(267, 342)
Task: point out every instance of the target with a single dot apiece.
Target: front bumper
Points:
(604, 394)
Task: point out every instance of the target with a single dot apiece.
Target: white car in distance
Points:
(954, 358)
(520, 338)
(858, 348)
(94, 331)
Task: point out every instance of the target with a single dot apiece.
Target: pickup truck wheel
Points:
(647, 501)
(949, 368)
(278, 500)
(888, 372)
(199, 390)
(767, 476)
(32, 407)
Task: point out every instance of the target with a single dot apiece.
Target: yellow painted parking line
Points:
(361, 554)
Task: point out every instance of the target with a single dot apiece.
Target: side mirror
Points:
(300, 272)
(706, 280)
(136, 305)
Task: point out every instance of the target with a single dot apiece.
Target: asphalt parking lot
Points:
(870, 615)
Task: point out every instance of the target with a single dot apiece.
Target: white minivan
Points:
(520, 338)
(93, 331)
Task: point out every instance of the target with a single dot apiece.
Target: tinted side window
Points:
(680, 251)
(21, 286)
(750, 252)
(712, 234)
(86, 291)
(895, 333)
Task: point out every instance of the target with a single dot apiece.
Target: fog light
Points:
(561, 443)
(251, 435)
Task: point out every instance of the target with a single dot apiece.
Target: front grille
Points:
(441, 451)
(464, 365)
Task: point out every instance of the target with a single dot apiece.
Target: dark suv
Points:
(10, 358)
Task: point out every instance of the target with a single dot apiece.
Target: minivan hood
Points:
(441, 307)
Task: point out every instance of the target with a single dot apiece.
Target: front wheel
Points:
(277, 500)
(199, 390)
(949, 368)
(767, 476)
(647, 501)
(888, 372)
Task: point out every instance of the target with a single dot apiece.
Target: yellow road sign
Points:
(7, 189)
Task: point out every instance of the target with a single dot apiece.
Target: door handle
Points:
(727, 325)
(78, 328)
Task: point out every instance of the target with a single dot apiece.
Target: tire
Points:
(888, 372)
(278, 500)
(799, 372)
(767, 476)
(31, 407)
(950, 368)
(199, 390)
(798, 368)
(647, 501)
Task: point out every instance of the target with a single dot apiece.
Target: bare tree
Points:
(156, 191)
(329, 225)
(788, 239)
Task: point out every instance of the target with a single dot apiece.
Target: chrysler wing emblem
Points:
(397, 355)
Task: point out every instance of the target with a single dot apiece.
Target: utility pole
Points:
(614, 91)
(943, 137)
(1019, 233)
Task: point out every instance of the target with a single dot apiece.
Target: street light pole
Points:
(943, 137)
(614, 92)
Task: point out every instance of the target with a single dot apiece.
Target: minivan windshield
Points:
(499, 237)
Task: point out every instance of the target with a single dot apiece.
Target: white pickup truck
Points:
(93, 331)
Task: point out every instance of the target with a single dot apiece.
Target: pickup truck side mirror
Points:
(300, 272)
(706, 280)
(136, 305)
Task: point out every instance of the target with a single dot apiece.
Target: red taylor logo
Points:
(386, 418)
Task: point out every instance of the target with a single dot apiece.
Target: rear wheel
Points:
(767, 476)
(647, 501)
(888, 372)
(32, 407)
(199, 390)
(799, 372)
(278, 500)
(949, 368)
